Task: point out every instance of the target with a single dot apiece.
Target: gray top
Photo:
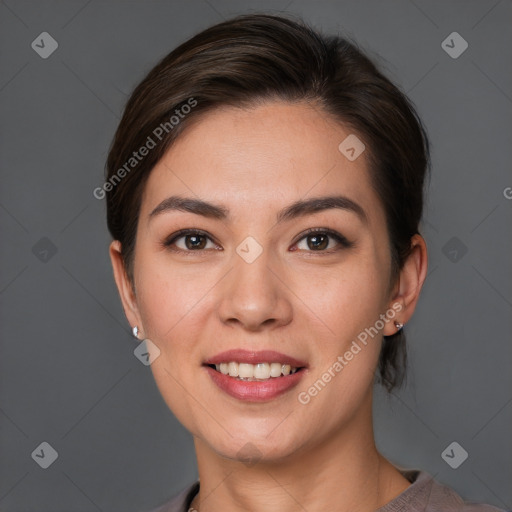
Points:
(423, 495)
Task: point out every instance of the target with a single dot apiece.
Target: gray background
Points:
(68, 375)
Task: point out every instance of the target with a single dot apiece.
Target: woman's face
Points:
(249, 278)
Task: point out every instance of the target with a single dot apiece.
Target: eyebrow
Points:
(297, 209)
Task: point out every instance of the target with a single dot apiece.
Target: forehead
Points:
(271, 154)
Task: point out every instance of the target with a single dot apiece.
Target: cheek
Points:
(347, 298)
(345, 304)
(172, 304)
(167, 296)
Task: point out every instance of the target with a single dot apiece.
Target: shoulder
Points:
(425, 494)
(428, 495)
(180, 502)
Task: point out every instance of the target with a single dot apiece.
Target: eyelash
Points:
(342, 241)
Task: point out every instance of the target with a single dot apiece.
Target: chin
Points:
(250, 445)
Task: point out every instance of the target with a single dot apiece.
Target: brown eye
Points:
(189, 241)
(321, 240)
(317, 242)
(195, 241)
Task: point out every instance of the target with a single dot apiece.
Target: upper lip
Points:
(253, 357)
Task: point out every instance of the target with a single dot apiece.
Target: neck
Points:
(343, 473)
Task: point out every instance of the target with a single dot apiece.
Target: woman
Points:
(264, 192)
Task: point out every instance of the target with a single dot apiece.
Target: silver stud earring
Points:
(135, 332)
(399, 326)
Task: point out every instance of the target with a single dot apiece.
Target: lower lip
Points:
(253, 390)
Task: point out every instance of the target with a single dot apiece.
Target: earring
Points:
(135, 332)
(399, 326)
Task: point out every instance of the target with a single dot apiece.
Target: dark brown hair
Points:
(255, 58)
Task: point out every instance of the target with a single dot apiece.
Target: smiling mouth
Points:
(255, 372)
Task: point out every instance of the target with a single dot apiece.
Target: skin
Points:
(305, 302)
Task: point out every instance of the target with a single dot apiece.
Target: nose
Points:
(254, 296)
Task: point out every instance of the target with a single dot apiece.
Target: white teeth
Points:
(262, 371)
(233, 369)
(246, 370)
(275, 369)
(259, 371)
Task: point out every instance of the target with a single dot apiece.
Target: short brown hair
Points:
(258, 57)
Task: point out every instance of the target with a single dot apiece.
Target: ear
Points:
(124, 285)
(410, 281)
